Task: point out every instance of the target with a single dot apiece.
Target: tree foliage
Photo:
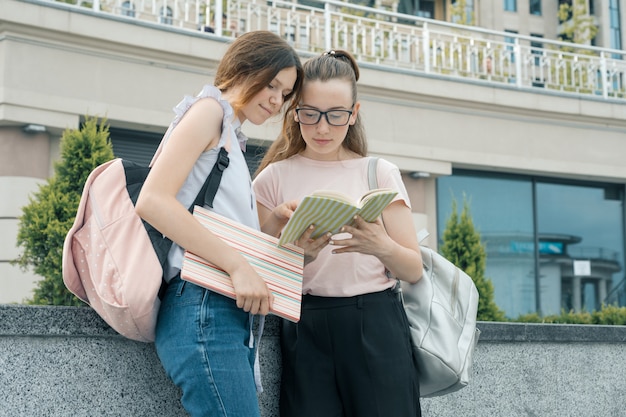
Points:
(47, 218)
(460, 14)
(462, 246)
(578, 24)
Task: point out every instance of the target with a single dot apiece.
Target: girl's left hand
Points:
(367, 238)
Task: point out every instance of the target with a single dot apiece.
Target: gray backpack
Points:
(441, 309)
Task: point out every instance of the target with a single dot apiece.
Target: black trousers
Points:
(349, 357)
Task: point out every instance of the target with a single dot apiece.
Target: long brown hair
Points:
(252, 61)
(336, 64)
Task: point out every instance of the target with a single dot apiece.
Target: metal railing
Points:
(617, 295)
(388, 39)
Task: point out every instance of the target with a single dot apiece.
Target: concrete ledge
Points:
(60, 361)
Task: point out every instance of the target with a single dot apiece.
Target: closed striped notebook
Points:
(280, 266)
(330, 210)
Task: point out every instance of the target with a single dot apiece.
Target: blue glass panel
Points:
(510, 5)
(576, 224)
(502, 213)
(589, 220)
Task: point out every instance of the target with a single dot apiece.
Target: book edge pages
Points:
(281, 266)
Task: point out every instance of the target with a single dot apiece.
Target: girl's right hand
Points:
(273, 221)
(252, 293)
(312, 247)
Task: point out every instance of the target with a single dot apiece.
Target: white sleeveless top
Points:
(235, 198)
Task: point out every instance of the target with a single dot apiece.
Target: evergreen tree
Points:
(462, 246)
(47, 218)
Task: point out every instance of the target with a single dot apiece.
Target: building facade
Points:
(537, 18)
(541, 167)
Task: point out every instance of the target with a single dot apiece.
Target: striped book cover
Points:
(279, 265)
(330, 210)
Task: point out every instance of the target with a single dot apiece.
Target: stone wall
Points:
(65, 361)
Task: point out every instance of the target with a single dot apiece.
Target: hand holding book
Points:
(330, 210)
(280, 266)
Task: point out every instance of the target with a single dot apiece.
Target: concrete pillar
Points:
(576, 294)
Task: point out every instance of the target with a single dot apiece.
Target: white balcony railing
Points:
(388, 39)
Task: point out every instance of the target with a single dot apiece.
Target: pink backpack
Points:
(112, 259)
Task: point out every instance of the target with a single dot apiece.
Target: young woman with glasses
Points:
(350, 355)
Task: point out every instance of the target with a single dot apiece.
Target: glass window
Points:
(510, 5)
(165, 15)
(537, 72)
(510, 51)
(426, 8)
(469, 11)
(615, 25)
(128, 9)
(587, 221)
(506, 228)
(536, 48)
(550, 245)
(535, 7)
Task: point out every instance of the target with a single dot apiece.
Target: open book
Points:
(330, 210)
(280, 266)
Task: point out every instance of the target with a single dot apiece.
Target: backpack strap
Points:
(212, 183)
(422, 235)
(372, 178)
(205, 196)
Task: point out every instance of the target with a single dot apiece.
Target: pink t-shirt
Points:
(338, 275)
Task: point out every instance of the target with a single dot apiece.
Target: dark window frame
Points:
(534, 7)
(128, 8)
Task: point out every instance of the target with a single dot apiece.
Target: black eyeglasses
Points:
(333, 117)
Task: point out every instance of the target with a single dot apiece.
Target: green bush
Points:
(47, 218)
(608, 314)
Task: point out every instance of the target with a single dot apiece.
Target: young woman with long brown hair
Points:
(204, 339)
(350, 354)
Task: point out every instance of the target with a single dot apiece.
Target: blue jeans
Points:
(202, 341)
